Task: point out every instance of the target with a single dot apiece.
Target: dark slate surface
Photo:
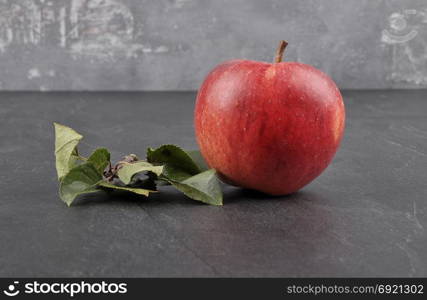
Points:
(366, 215)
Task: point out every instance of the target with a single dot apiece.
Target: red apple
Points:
(271, 127)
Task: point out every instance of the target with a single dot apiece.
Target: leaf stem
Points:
(79, 156)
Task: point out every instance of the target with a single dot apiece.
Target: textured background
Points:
(172, 44)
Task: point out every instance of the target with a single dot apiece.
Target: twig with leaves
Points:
(166, 165)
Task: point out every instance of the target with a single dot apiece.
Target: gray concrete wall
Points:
(172, 44)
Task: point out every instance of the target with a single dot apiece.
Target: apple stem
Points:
(280, 50)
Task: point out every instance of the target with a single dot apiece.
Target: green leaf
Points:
(183, 170)
(128, 170)
(80, 180)
(174, 158)
(197, 157)
(138, 191)
(203, 187)
(187, 171)
(66, 140)
(100, 159)
(176, 174)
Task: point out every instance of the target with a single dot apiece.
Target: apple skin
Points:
(268, 127)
